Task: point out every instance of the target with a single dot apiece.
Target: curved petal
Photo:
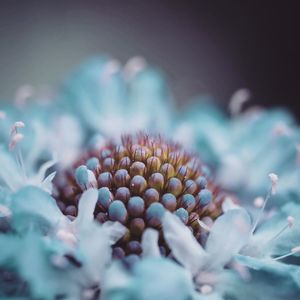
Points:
(182, 243)
(228, 204)
(94, 243)
(228, 235)
(115, 230)
(45, 167)
(31, 204)
(270, 280)
(150, 243)
(160, 278)
(86, 207)
(46, 184)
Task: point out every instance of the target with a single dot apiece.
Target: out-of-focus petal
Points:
(31, 204)
(9, 173)
(151, 278)
(269, 280)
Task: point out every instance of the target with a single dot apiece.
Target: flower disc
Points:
(137, 180)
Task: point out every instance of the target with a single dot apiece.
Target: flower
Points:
(108, 191)
(137, 180)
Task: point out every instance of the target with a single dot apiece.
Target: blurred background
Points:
(204, 48)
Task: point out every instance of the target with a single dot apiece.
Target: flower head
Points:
(139, 179)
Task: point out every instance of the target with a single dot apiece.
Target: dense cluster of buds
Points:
(137, 180)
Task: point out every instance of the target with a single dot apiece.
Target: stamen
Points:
(290, 223)
(15, 127)
(15, 139)
(272, 191)
(274, 179)
(293, 251)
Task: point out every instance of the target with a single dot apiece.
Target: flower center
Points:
(137, 181)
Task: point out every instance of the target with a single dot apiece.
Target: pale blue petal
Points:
(86, 207)
(150, 102)
(32, 258)
(150, 243)
(208, 128)
(183, 245)
(229, 234)
(150, 279)
(115, 231)
(31, 205)
(87, 92)
(173, 281)
(47, 184)
(105, 100)
(270, 280)
(94, 243)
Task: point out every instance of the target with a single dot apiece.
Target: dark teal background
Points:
(204, 48)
